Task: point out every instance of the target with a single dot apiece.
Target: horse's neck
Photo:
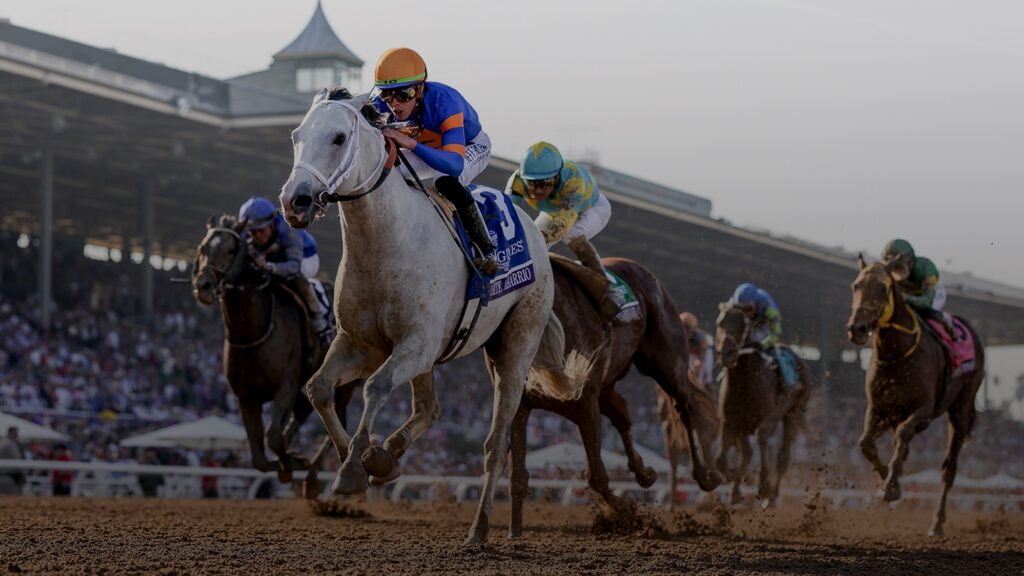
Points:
(891, 343)
(378, 229)
(245, 311)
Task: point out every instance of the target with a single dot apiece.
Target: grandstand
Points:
(120, 159)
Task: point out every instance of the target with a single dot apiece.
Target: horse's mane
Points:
(375, 117)
(227, 221)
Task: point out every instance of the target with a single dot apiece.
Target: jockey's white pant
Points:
(939, 302)
(589, 223)
(310, 266)
(478, 154)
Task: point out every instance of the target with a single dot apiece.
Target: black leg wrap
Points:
(454, 192)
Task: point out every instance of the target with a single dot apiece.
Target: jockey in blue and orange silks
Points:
(572, 208)
(444, 134)
(283, 252)
(767, 328)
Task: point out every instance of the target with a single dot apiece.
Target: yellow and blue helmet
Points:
(542, 161)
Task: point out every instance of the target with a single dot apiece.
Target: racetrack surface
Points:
(132, 536)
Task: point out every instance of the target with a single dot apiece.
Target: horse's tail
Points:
(555, 373)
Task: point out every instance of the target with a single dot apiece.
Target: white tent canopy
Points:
(209, 433)
(571, 456)
(28, 431)
(934, 477)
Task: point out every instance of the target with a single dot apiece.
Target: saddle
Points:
(595, 286)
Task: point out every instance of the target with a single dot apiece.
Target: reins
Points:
(885, 323)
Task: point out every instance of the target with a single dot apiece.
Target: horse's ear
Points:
(360, 100)
(239, 226)
(211, 222)
(860, 261)
(723, 306)
(321, 95)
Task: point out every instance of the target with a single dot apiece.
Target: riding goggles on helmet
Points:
(401, 94)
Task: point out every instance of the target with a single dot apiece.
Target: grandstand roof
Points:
(119, 124)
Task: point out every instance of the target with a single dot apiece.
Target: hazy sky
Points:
(844, 123)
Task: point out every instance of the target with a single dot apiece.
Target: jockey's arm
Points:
(291, 244)
(516, 188)
(923, 300)
(450, 158)
(773, 318)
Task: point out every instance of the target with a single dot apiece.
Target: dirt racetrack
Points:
(132, 536)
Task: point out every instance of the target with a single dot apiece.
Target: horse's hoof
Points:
(936, 531)
(477, 536)
(382, 480)
(512, 535)
(349, 484)
(892, 493)
(284, 476)
(378, 462)
(647, 478)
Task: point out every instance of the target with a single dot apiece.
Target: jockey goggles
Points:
(404, 94)
(539, 184)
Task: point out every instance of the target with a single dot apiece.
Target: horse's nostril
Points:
(302, 202)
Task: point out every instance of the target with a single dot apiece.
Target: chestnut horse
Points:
(908, 383)
(655, 344)
(753, 399)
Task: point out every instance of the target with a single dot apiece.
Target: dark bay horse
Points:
(655, 344)
(269, 351)
(754, 399)
(908, 383)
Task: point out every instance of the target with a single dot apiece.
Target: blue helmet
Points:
(542, 161)
(745, 292)
(257, 212)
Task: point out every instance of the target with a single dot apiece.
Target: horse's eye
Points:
(339, 139)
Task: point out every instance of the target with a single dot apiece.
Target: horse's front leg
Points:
(872, 430)
(425, 412)
(764, 485)
(408, 359)
(904, 433)
(518, 475)
(342, 365)
(252, 419)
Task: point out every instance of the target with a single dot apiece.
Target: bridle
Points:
(885, 321)
(347, 163)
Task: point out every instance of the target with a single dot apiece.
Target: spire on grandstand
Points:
(318, 40)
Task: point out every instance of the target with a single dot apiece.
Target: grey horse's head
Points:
(326, 148)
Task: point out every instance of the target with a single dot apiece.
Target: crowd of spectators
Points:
(101, 373)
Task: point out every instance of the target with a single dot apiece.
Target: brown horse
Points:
(908, 383)
(655, 344)
(754, 399)
(269, 350)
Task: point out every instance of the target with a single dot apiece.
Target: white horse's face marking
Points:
(321, 141)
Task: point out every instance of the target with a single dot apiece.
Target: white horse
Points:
(400, 290)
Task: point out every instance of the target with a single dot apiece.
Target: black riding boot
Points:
(469, 213)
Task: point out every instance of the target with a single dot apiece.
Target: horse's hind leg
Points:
(300, 412)
(614, 407)
(746, 452)
(252, 419)
(960, 417)
(790, 427)
(519, 476)
(907, 429)
(284, 401)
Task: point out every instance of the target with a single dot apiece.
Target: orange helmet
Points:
(398, 68)
(689, 320)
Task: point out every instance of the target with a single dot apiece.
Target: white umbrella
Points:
(28, 431)
(209, 433)
(1002, 481)
(572, 456)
